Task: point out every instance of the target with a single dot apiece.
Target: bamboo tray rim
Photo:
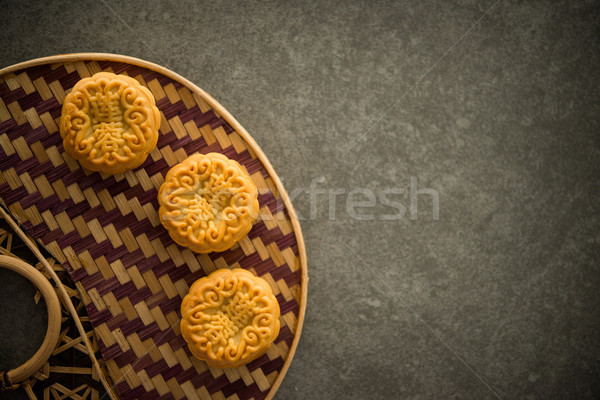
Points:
(74, 57)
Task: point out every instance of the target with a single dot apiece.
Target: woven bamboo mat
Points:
(105, 230)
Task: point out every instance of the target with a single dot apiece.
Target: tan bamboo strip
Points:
(29, 391)
(70, 343)
(68, 393)
(71, 370)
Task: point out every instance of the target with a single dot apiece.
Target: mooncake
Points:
(207, 202)
(229, 318)
(109, 123)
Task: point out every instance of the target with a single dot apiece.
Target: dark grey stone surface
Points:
(495, 105)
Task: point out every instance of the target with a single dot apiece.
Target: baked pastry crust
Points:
(207, 202)
(109, 123)
(229, 318)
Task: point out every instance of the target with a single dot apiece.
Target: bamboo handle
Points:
(19, 374)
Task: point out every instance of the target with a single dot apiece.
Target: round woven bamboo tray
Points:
(104, 229)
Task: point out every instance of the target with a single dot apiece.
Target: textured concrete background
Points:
(493, 104)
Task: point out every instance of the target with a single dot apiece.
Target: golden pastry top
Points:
(208, 202)
(109, 123)
(229, 318)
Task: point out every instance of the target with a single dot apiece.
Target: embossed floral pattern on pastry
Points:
(109, 123)
(207, 202)
(229, 318)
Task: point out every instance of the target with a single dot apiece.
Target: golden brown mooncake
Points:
(109, 123)
(208, 202)
(229, 318)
